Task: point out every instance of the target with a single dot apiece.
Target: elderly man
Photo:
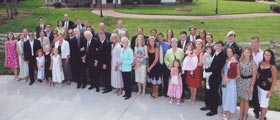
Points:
(101, 28)
(91, 59)
(231, 43)
(67, 23)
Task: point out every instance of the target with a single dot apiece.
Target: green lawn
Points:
(200, 7)
(265, 27)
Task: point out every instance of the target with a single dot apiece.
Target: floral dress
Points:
(11, 60)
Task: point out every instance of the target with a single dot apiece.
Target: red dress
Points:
(196, 81)
(11, 60)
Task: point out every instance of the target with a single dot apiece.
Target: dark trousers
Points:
(212, 96)
(32, 67)
(105, 77)
(93, 75)
(66, 70)
(127, 83)
(255, 100)
(184, 84)
(79, 74)
(165, 79)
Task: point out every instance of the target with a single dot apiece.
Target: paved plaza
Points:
(19, 101)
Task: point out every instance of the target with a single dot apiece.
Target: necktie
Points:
(183, 45)
(160, 54)
(87, 47)
(78, 42)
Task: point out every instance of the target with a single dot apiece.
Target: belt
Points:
(246, 77)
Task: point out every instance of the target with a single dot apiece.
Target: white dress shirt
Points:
(65, 49)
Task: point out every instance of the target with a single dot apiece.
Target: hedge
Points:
(275, 8)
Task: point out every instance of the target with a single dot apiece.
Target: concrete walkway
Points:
(19, 101)
(112, 13)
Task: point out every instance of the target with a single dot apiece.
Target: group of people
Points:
(76, 52)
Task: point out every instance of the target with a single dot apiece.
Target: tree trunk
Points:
(7, 8)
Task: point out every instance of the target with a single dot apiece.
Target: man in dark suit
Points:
(105, 62)
(101, 28)
(48, 32)
(30, 48)
(78, 24)
(75, 57)
(91, 59)
(40, 27)
(182, 43)
(231, 43)
(67, 23)
(192, 37)
(212, 95)
(140, 31)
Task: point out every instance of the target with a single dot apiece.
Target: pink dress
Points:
(175, 85)
(190, 63)
(12, 57)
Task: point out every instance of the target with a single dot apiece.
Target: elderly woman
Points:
(124, 63)
(173, 53)
(116, 75)
(64, 51)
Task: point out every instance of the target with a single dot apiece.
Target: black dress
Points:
(262, 80)
(48, 72)
(154, 75)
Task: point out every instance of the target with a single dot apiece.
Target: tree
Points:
(13, 8)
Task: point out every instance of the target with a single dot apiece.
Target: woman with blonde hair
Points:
(11, 57)
(245, 84)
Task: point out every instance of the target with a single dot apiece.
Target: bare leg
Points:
(246, 108)
(139, 88)
(156, 91)
(194, 94)
(191, 89)
(241, 109)
(263, 113)
(144, 88)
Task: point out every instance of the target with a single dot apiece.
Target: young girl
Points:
(190, 61)
(138, 59)
(207, 60)
(40, 65)
(48, 72)
(175, 83)
(56, 67)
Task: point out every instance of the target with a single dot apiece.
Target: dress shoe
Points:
(84, 86)
(106, 91)
(31, 83)
(257, 116)
(90, 88)
(78, 86)
(211, 113)
(204, 108)
(97, 89)
(126, 98)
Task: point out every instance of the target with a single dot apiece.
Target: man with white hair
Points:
(231, 43)
(91, 59)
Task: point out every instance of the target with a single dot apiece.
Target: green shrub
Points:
(151, 1)
(275, 8)
(243, 0)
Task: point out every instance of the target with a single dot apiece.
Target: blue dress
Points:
(229, 93)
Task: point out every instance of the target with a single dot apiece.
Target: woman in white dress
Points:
(23, 66)
(116, 75)
(56, 66)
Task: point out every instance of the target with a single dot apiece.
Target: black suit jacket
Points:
(107, 34)
(189, 37)
(70, 25)
(180, 44)
(27, 49)
(216, 67)
(93, 53)
(236, 48)
(105, 53)
(133, 39)
(74, 26)
(38, 29)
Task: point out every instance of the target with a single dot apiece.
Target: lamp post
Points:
(216, 10)
(101, 15)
